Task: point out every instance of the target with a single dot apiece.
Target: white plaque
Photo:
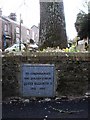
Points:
(38, 80)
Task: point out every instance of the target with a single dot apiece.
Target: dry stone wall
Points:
(71, 70)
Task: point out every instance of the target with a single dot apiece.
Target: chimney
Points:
(0, 12)
(12, 16)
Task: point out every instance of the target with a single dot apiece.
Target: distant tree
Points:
(82, 24)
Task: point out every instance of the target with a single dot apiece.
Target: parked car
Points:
(15, 48)
(32, 47)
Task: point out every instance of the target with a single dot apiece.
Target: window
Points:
(6, 27)
(17, 29)
(28, 32)
(17, 40)
(36, 35)
(28, 41)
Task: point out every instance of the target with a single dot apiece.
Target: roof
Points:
(12, 21)
(34, 26)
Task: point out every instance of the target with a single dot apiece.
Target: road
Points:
(46, 109)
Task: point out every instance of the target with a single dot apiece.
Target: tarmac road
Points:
(46, 109)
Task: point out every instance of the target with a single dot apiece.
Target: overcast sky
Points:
(30, 12)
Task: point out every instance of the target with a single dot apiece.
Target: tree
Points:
(82, 24)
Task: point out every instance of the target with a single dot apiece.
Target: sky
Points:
(30, 12)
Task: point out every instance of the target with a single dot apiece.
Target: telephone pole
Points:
(20, 34)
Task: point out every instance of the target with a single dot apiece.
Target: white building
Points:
(0, 29)
(34, 34)
(89, 7)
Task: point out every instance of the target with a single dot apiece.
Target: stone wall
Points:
(71, 72)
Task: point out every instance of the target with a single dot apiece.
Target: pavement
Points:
(45, 109)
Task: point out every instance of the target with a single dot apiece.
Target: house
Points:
(83, 44)
(88, 6)
(34, 34)
(0, 34)
(10, 31)
(6, 33)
